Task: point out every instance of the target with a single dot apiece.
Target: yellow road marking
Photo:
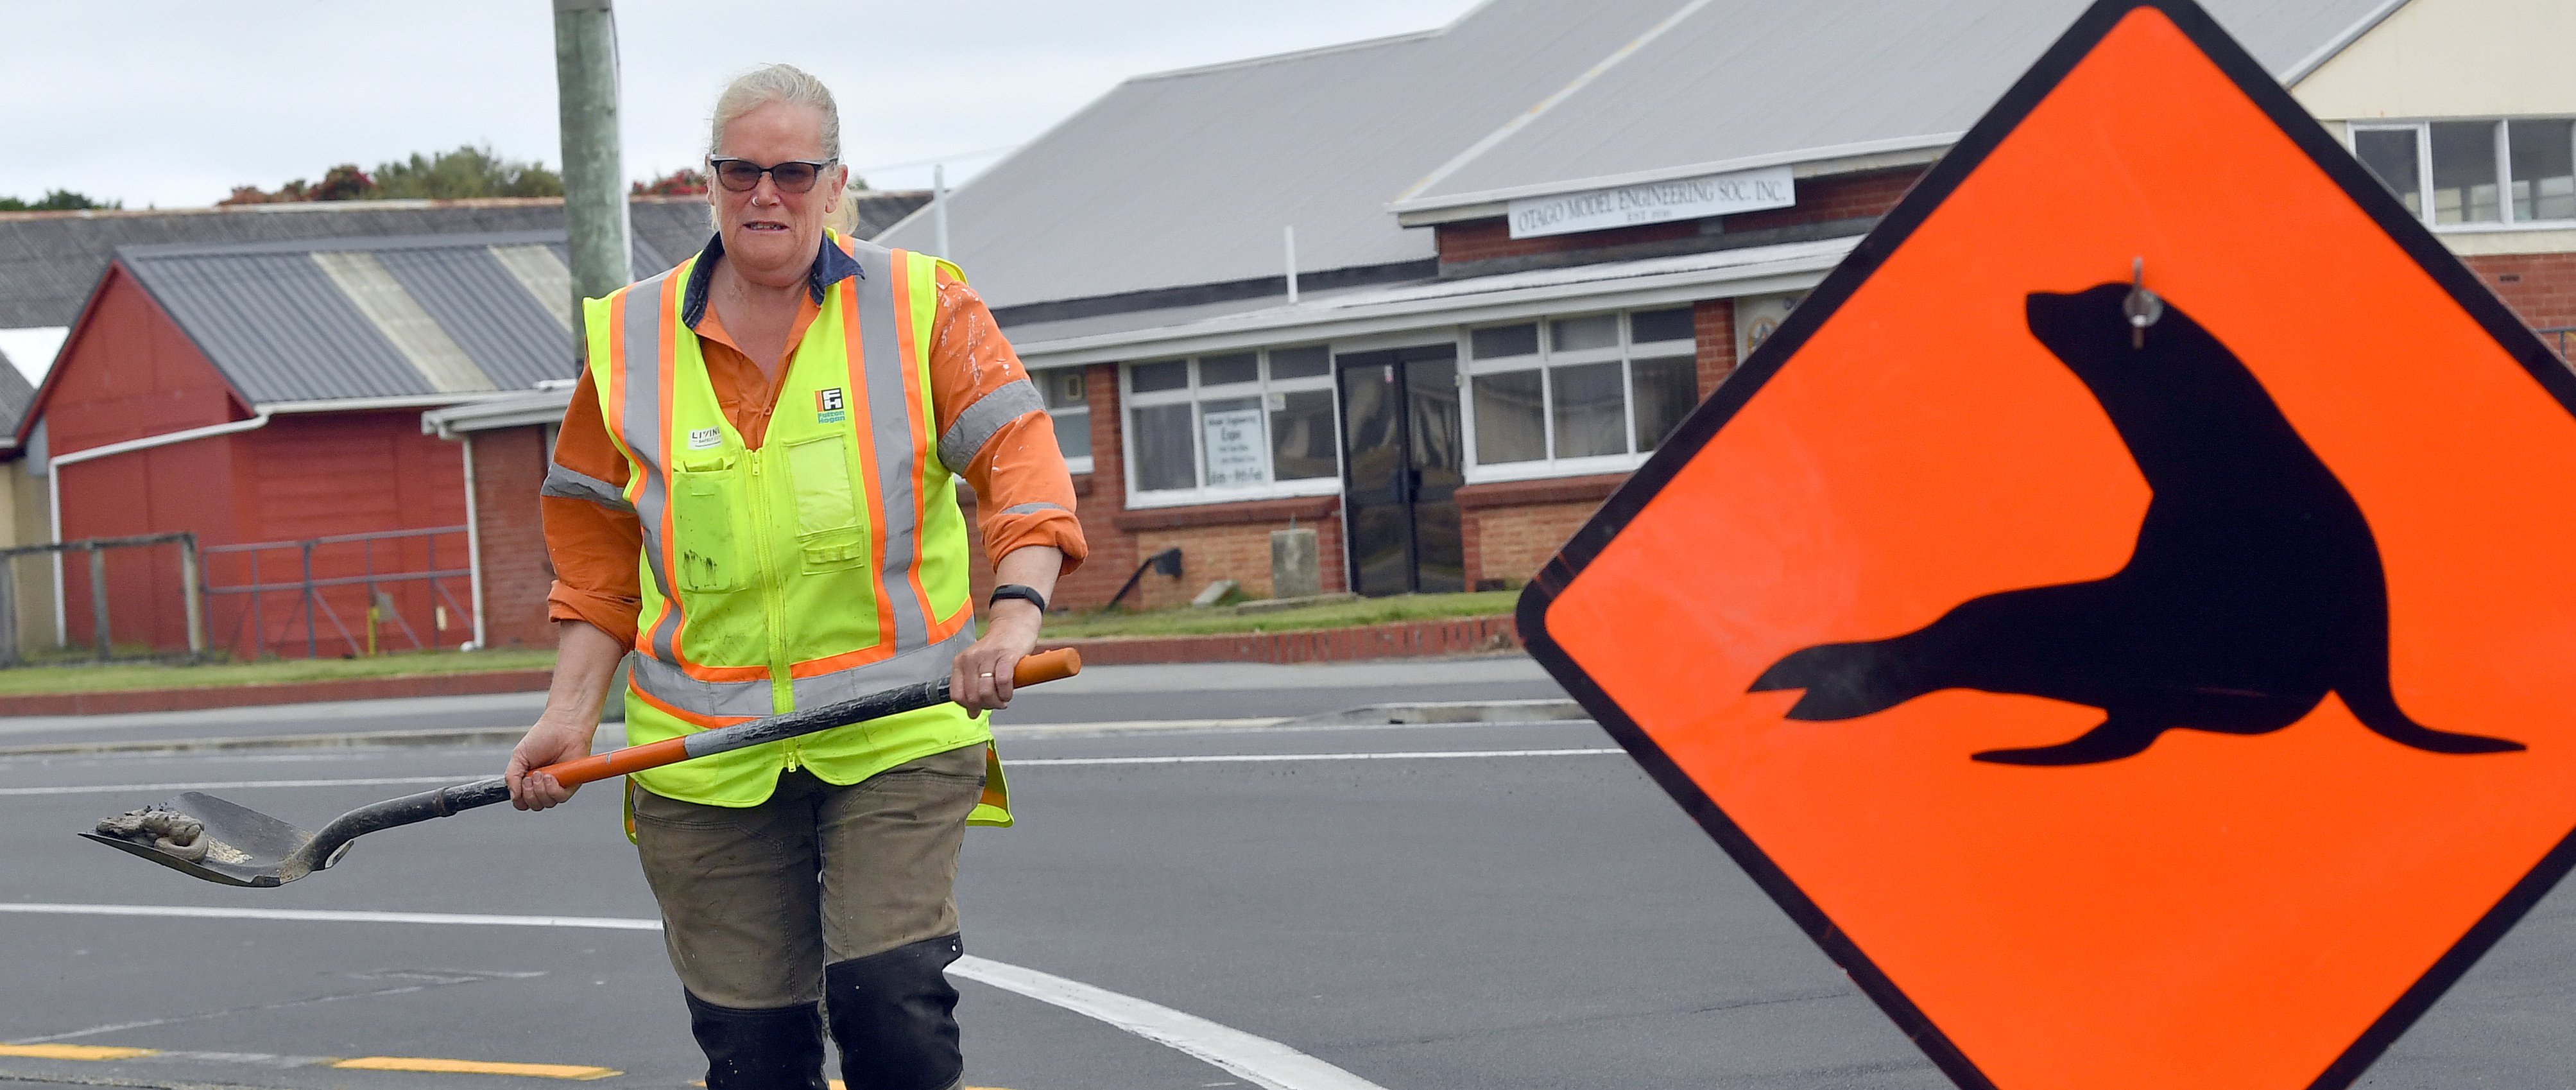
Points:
(475, 1067)
(74, 1052)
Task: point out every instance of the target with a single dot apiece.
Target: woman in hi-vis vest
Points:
(755, 493)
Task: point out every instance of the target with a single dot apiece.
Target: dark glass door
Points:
(1404, 458)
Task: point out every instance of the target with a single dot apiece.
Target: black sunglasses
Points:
(792, 176)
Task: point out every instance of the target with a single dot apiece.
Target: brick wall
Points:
(1513, 542)
(1102, 495)
(1713, 330)
(509, 468)
(2541, 288)
(1820, 200)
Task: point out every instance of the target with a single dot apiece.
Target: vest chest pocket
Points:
(706, 527)
(830, 531)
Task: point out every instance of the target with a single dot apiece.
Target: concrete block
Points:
(1296, 564)
(1215, 593)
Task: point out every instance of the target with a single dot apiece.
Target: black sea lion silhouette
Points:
(2255, 588)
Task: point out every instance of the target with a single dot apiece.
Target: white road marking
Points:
(1023, 762)
(1267, 1063)
(233, 785)
(1259, 758)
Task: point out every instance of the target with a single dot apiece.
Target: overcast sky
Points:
(174, 102)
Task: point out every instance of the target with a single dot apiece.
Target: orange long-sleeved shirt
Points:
(1025, 493)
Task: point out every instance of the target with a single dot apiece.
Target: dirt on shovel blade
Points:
(206, 837)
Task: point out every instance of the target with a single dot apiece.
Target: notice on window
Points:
(1236, 456)
(1653, 202)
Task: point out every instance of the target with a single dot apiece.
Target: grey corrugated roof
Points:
(15, 394)
(339, 318)
(1744, 79)
(51, 261)
(1185, 178)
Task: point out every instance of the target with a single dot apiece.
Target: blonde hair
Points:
(796, 87)
(775, 83)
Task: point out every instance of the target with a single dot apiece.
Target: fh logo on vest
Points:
(827, 406)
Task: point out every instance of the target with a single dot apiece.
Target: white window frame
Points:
(1196, 395)
(2423, 130)
(1059, 416)
(1548, 357)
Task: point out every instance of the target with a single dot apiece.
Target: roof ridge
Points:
(1292, 55)
(342, 243)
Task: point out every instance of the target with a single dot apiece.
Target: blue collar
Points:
(831, 266)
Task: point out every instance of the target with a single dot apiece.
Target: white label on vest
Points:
(706, 438)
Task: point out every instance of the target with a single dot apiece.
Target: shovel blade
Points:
(243, 846)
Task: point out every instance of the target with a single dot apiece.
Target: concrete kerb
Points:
(1420, 713)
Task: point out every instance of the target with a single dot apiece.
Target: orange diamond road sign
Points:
(2125, 614)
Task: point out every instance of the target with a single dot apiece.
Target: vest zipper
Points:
(773, 599)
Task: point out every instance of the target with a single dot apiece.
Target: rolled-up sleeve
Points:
(994, 431)
(592, 535)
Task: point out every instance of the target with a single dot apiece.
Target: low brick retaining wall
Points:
(1402, 639)
(293, 692)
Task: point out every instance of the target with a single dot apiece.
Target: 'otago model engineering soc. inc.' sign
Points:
(1651, 202)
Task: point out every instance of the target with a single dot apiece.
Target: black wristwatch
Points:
(1015, 590)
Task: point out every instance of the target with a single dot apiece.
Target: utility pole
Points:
(594, 179)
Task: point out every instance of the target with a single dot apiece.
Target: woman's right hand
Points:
(548, 742)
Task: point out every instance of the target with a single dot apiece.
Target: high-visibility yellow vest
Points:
(827, 564)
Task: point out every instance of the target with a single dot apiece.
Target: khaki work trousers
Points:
(756, 900)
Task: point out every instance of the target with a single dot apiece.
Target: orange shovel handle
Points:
(1036, 669)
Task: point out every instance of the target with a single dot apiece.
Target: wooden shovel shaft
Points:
(1032, 670)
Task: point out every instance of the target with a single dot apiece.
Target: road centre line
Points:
(1023, 762)
(423, 1064)
(1264, 1062)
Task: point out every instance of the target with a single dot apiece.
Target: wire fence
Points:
(2562, 336)
(382, 580)
(102, 628)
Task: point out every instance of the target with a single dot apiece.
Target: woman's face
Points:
(770, 236)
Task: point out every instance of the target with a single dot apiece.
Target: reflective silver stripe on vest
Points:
(644, 437)
(668, 684)
(890, 417)
(976, 426)
(912, 667)
(565, 484)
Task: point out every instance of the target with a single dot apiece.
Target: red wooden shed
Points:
(270, 395)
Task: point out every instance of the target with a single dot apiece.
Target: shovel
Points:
(205, 837)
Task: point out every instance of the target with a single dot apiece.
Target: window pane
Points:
(1301, 433)
(2464, 172)
(1063, 387)
(1230, 368)
(2390, 154)
(1073, 433)
(1660, 325)
(1167, 375)
(1666, 389)
(2544, 171)
(1591, 413)
(1306, 362)
(1510, 340)
(1163, 456)
(1237, 455)
(1511, 420)
(1577, 334)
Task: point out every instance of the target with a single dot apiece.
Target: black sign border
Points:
(1935, 187)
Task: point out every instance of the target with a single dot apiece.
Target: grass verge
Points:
(1224, 620)
(121, 676)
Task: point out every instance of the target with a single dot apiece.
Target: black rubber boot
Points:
(895, 1017)
(776, 1049)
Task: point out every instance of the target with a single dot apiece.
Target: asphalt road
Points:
(1466, 923)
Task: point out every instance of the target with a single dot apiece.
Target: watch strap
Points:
(1022, 592)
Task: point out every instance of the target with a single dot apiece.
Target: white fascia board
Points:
(2308, 65)
(405, 401)
(1358, 318)
(1806, 163)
